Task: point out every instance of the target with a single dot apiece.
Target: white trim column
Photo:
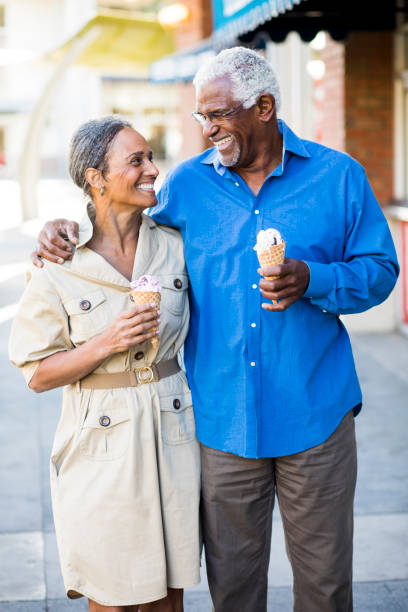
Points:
(30, 159)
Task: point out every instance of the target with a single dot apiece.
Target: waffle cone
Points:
(147, 297)
(273, 256)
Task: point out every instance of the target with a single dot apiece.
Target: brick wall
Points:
(197, 26)
(358, 104)
(189, 34)
(192, 134)
(369, 107)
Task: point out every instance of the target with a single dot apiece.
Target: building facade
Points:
(349, 92)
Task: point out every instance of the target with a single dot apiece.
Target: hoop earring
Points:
(102, 190)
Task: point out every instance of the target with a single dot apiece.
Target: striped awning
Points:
(232, 18)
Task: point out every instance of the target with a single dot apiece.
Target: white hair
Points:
(251, 75)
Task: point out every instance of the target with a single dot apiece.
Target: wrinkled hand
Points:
(51, 243)
(294, 276)
(131, 327)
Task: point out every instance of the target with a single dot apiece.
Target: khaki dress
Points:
(125, 496)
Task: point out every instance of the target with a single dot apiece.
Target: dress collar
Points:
(91, 265)
(86, 225)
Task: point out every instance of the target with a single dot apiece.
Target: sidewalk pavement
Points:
(30, 578)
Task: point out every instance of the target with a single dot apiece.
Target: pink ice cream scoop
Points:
(146, 283)
(146, 290)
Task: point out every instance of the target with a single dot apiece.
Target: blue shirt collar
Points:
(291, 143)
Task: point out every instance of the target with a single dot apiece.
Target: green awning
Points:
(122, 44)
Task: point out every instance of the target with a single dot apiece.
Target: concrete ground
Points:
(30, 578)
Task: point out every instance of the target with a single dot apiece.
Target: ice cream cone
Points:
(272, 256)
(147, 297)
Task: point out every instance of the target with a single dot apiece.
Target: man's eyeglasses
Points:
(219, 116)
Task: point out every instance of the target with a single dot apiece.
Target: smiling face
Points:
(132, 173)
(235, 135)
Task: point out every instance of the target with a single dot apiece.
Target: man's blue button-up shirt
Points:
(268, 384)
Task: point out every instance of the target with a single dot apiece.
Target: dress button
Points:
(85, 304)
(256, 212)
(253, 324)
(252, 363)
(139, 355)
(178, 284)
(176, 404)
(254, 286)
(104, 421)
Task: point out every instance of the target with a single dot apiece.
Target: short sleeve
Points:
(169, 207)
(40, 327)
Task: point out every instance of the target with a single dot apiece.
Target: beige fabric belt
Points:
(133, 378)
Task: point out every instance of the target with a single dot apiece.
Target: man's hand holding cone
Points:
(270, 249)
(285, 280)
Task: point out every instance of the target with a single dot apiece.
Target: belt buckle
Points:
(141, 380)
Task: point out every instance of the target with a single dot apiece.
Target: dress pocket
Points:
(59, 453)
(174, 292)
(105, 432)
(177, 418)
(88, 315)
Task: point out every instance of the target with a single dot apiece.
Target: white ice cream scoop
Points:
(266, 239)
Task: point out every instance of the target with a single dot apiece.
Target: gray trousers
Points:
(315, 489)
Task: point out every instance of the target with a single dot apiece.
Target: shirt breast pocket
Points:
(88, 315)
(174, 293)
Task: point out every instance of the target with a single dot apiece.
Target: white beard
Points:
(232, 161)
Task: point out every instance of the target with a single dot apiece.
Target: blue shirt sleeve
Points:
(369, 267)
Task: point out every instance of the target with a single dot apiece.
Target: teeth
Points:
(146, 186)
(223, 141)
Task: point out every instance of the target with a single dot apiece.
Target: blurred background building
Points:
(342, 66)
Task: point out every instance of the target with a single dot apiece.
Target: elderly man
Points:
(274, 384)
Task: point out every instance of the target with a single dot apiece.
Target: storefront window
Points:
(157, 141)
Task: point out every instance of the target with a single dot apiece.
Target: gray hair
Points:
(90, 147)
(251, 75)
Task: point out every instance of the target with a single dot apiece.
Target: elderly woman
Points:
(125, 460)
